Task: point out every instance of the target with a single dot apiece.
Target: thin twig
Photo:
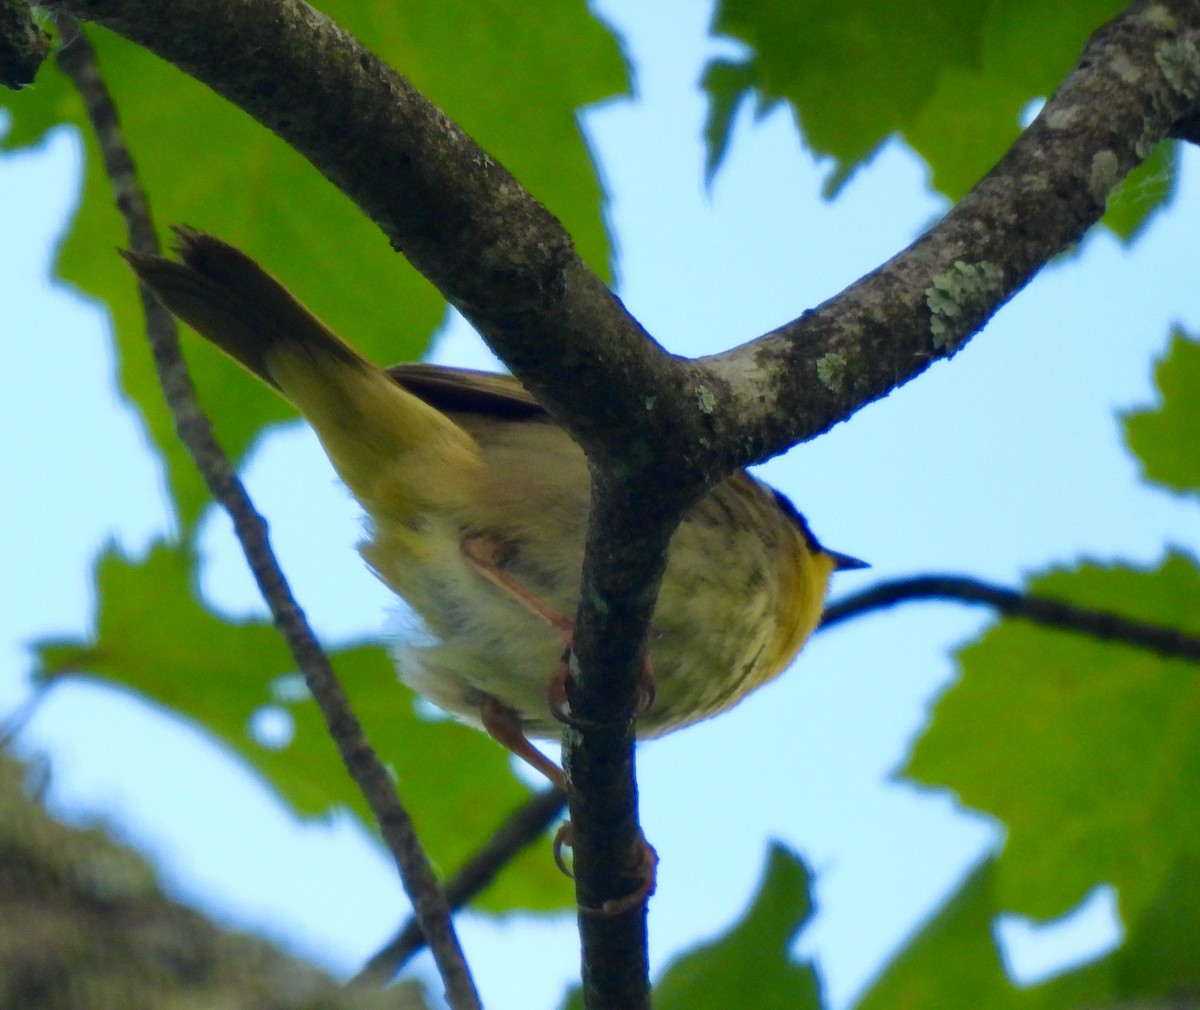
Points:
(77, 59)
(524, 826)
(1170, 643)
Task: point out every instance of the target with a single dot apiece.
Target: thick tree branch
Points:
(1137, 82)
(1170, 643)
(78, 61)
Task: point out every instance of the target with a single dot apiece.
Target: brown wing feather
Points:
(469, 391)
(464, 390)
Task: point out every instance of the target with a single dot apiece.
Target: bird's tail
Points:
(384, 442)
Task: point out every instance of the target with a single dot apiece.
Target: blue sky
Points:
(1006, 460)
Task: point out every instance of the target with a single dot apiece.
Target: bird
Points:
(476, 505)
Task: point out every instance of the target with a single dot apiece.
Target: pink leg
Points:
(487, 556)
(504, 726)
(646, 873)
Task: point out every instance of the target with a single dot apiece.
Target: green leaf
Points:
(153, 636)
(952, 962)
(952, 80)
(727, 84)
(855, 72)
(1159, 958)
(1165, 438)
(1088, 752)
(1146, 190)
(750, 965)
(513, 75)
(972, 117)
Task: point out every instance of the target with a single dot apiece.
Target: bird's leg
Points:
(503, 723)
(504, 726)
(487, 556)
(556, 691)
(645, 873)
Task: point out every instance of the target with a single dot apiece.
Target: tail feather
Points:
(379, 437)
(231, 301)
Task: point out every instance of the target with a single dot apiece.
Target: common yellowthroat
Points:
(477, 505)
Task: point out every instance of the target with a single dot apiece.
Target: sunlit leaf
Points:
(751, 964)
(952, 961)
(1164, 438)
(1087, 752)
(952, 80)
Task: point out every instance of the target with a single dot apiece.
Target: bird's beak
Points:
(845, 563)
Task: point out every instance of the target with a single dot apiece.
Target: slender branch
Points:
(1170, 643)
(628, 535)
(77, 59)
(523, 827)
